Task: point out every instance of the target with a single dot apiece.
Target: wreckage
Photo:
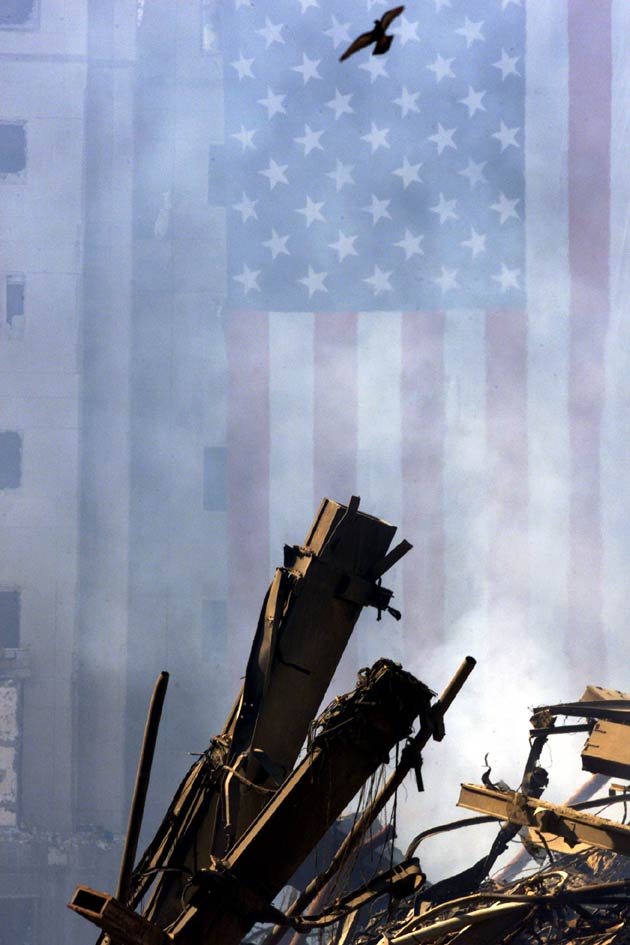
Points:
(263, 808)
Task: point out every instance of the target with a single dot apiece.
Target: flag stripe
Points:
(589, 244)
(422, 396)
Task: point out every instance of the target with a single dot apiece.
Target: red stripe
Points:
(423, 424)
(590, 76)
(248, 481)
(507, 468)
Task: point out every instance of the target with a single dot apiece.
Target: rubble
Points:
(255, 846)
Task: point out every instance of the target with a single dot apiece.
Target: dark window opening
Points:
(10, 619)
(215, 479)
(18, 13)
(17, 921)
(15, 298)
(10, 460)
(214, 630)
(12, 147)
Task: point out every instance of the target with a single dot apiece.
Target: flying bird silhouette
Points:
(377, 35)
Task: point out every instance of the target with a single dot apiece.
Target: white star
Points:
(378, 209)
(273, 103)
(377, 138)
(248, 279)
(338, 32)
(344, 246)
(445, 209)
(277, 245)
(407, 102)
(408, 173)
(275, 173)
(308, 68)
(442, 68)
(441, 3)
(314, 281)
(375, 67)
(379, 281)
(447, 279)
(246, 138)
(507, 64)
(305, 4)
(474, 172)
(406, 30)
(341, 104)
(271, 32)
(507, 278)
(312, 211)
(477, 242)
(411, 244)
(506, 3)
(505, 208)
(310, 140)
(247, 208)
(471, 31)
(506, 136)
(243, 67)
(341, 175)
(443, 138)
(473, 101)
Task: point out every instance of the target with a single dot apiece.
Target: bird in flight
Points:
(377, 35)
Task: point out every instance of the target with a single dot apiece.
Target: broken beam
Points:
(566, 822)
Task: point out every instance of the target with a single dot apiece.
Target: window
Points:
(10, 460)
(9, 619)
(12, 150)
(14, 298)
(214, 630)
(18, 14)
(215, 479)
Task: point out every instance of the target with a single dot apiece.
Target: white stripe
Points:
(379, 467)
(616, 426)
(291, 429)
(465, 511)
(548, 296)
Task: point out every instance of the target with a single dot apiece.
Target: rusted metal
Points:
(607, 750)
(123, 925)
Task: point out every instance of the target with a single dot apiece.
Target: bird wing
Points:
(390, 16)
(360, 43)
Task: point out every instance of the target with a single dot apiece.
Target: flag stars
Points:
(406, 31)
(314, 281)
(505, 207)
(275, 173)
(248, 279)
(312, 211)
(507, 65)
(409, 173)
(411, 244)
(506, 137)
(379, 281)
(271, 32)
(407, 102)
(442, 68)
(471, 32)
(476, 244)
(310, 140)
(445, 209)
(340, 104)
(338, 32)
(447, 279)
(247, 208)
(273, 103)
(344, 246)
(377, 138)
(474, 173)
(305, 4)
(308, 69)
(341, 175)
(246, 138)
(443, 138)
(376, 67)
(378, 209)
(507, 278)
(277, 245)
(473, 102)
(243, 67)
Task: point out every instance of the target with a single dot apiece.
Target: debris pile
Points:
(255, 846)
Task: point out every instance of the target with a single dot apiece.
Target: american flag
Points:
(425, 282)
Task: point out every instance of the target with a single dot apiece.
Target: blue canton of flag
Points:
(391, 181)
